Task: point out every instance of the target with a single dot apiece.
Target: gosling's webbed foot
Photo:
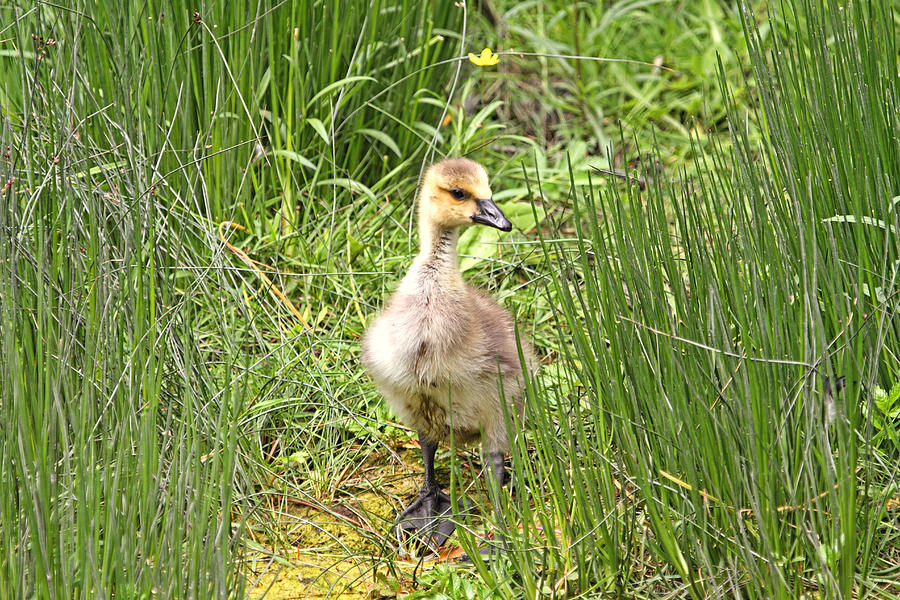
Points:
(429, 518)
(486, 551)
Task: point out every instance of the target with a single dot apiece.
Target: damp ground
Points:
(345, 547)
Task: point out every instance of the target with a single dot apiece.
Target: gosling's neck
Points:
(437, 250)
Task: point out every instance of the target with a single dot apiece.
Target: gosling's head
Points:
(456, 192)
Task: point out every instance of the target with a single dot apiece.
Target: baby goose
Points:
(440, 349)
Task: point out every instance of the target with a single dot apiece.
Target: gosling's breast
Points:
(416, 342)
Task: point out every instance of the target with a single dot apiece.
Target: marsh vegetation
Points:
(203, 207)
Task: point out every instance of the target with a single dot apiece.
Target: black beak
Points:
(490, 214)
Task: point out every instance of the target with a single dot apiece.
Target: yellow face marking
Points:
(450, 189)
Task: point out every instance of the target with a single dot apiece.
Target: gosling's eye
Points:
(457, 193)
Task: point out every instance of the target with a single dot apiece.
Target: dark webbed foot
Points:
(488, 551)
(429, 518)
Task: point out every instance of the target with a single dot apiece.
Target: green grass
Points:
(703, 322)
(173, 425)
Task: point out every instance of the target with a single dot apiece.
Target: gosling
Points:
(441, 351)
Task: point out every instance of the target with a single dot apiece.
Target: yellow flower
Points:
(486, 59)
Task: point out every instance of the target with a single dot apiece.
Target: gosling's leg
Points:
(496, 476)
(429, 517)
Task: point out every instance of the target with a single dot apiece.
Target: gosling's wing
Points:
(497, 332)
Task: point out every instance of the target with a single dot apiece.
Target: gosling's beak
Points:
(490, 214)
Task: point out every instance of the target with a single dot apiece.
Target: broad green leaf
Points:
(383, 138)
(339, 84)
(319, 126)
(348, 184)
(295, 157)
